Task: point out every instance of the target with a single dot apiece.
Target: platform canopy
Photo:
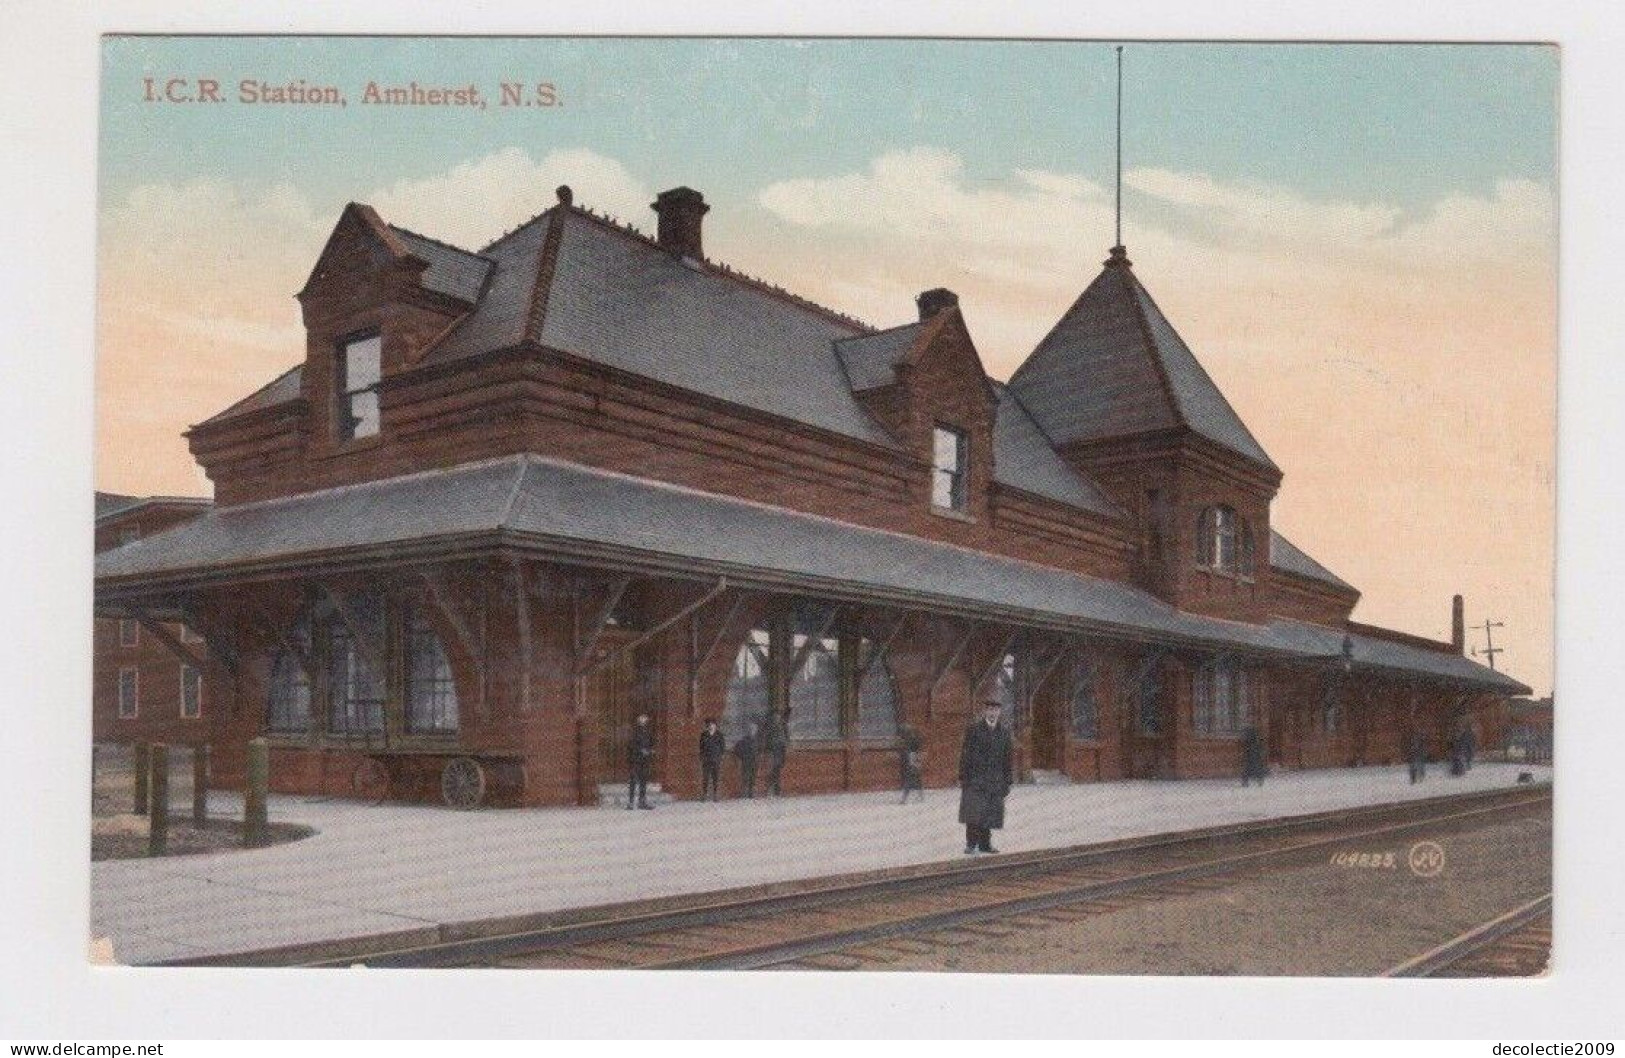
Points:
(532, 505)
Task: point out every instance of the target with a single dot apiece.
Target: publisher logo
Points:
(1426, 859)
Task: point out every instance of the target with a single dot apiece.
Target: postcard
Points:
(831, 505)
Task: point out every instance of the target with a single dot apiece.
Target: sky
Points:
(1358, 241)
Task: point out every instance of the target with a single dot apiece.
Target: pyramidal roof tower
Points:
(1115, 367)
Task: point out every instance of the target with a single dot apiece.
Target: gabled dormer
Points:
(1126, 401)
(377, 298)
(924, 383)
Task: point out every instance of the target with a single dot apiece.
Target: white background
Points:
(48, 109)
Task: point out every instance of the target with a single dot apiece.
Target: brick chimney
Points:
(1458, 625)
(935, 300)
(682, 212)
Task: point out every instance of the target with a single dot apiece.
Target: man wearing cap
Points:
(984, 778)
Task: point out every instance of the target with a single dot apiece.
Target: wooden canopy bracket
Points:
(879, 650)
(297, 650)
(801, 656)
(954, 654)
(166, 637)
(587, 665)
(374, 655)
(600, 621)
(998, 660)
(1062, 649)
(217, 644)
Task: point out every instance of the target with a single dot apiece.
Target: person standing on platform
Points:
(640, 755)
(745, 750)
(1418, 756)
(776, 740)
(1253, 765)
(984, 779)
(713, 747)
(911, 761)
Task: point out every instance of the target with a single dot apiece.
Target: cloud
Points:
(474, 202)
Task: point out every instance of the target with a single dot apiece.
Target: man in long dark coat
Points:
(713, 747)
(776, 741)
(1253, 763)
(745, 750)
(1418, 755)
(640, 755)
(984, 779)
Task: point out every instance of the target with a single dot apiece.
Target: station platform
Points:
(378, 869)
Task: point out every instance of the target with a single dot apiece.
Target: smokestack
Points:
(934, 301)
(681, 211)
(1458, 625)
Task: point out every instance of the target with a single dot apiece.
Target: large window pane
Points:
(750, 688)
(431, 692)
(289, 705)
(877, 697)
(815, 690)
(1085, 706)
(355, 688)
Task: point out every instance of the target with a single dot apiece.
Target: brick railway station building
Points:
(513, 497)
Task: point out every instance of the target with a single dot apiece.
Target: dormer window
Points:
(360, 363)
(1224, 542)
(949, 448)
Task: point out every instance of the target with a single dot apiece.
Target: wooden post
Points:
(200, 784)
(141, 799)
(158, 834)
(259, 779)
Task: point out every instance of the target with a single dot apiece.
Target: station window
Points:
(1148, 697)
(1007, 689)
(877, 697)
(815, 688)
(1221, 699)
(750, 689)
(191, 693)
(289, 706)
(1085, 713)
(431, 692)
(360, 368)
(129, 693)
(949, 451)
(355, 688)
(1224, 541)
(129, 633)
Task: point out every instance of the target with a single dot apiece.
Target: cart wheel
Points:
(462, 783)
(370, 780)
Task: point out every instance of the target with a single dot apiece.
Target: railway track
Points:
(1515, 944)
(811, 923)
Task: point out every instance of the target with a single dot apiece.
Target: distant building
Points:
(512, 497)
(141, 690)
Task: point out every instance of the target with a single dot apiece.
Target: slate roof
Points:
(1288, 557)
(871, 359)
(279, 390)
(1115, 366)
(111, 503)
(451, 270)
(1024, 458)
(572, 510)
(1388, 655)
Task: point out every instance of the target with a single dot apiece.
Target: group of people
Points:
(768, 737)
(1463, 747)
(985, 766)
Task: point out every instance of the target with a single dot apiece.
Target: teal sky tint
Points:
(1399, 124)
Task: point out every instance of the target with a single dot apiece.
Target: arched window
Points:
(431, 692)
(288, 708)
(750, 688)
(1085, 703)
(355, 684)
(815, 688)
(1224, 541)
(877, 697)
(1221, 698)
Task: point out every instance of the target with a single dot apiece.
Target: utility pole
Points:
(1490, 649)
